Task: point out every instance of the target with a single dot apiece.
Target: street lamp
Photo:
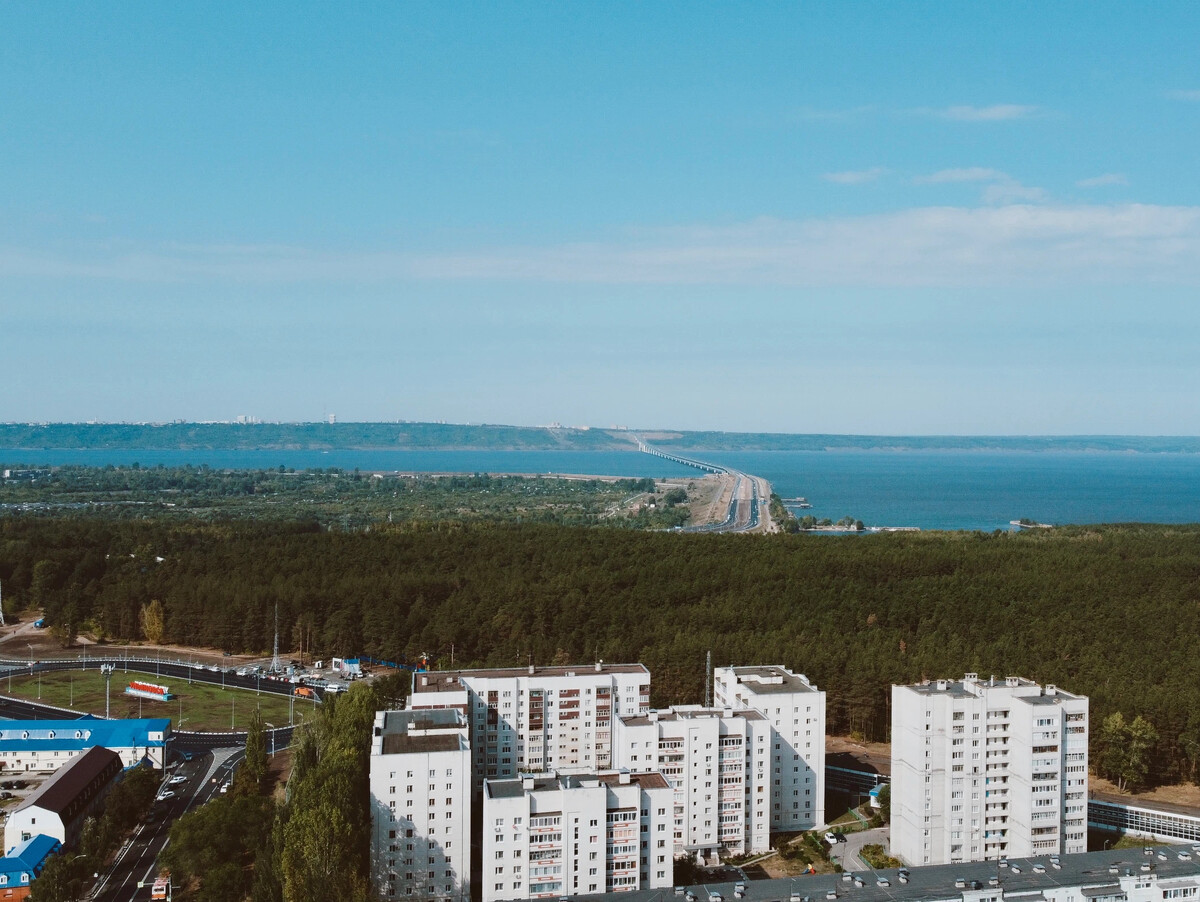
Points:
(107, 670)
(272, 728)
(30, 655)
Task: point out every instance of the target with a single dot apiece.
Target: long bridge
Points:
(686, 461)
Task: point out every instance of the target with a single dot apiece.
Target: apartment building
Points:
(987, 769)
(795, 708)
(538, 719)
(718, 763)
(564, 835)
(421, 794)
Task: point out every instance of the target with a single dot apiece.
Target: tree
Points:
(153, 622)
(1125, 750)
(60, 881)
(885, 802)
(252, 776)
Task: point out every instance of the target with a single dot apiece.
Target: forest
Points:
(346, 499)
(1110, 612)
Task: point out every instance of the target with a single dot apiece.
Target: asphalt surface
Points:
(137, 860)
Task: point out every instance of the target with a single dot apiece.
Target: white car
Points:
(225, 787)
(166, 794)
(176, 780)
(831, 838)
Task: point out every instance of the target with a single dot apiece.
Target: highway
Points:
(749, 502)
(137, 860)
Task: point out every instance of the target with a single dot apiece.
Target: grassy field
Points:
(203, 706)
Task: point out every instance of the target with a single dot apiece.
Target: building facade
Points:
(538, 719)
(33, 745)
(987, 769)
(59, 806)
(795, 708)
(552, 836)
(718, 763)
(421, 788)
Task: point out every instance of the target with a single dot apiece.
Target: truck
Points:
(161, 888)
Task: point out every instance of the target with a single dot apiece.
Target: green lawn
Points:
(203, 706)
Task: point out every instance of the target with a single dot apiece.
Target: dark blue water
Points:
(928, 489)
(981, 489)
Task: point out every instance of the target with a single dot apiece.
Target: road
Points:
(137, 860)
(848, 851)
(749, 503)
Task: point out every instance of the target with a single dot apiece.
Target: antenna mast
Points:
(708, 680)
(2, 623)
(275, 665)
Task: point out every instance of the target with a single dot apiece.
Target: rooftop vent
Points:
(599, 666)
(623, 779)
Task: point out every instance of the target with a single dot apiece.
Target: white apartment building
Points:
(986, 769)
(565, 835)
(796, 710)
(420, 771)
(538, 719)
(718, 762)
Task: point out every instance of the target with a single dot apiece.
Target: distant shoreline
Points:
(32, 438)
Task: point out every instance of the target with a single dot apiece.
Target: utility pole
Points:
(2, 623)
(107, 670)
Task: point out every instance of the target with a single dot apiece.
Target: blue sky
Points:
(850, 217)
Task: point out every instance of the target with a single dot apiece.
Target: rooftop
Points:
(511, 789)
(29, 855)
(971, 686)
(404, 744)
(76, 735)
(60, 792)
(690, 712)
(771, 678)
(451, 680)
(421, 720)
(1088, 870)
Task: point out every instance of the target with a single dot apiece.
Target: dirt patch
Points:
(1185, 794)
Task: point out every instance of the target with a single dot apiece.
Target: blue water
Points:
(981, 489)
(928, 489)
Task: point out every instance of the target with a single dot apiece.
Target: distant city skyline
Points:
(829, 218)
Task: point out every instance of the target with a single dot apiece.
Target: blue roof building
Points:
(29, 745)
(23, 863)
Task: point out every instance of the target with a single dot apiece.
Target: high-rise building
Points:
(420, 773)
(796, 710)
(538, 719)
(718, 762)
(564, 835)
(986, 769)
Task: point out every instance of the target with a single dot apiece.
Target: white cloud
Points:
(1000, 112)
(1011, 192)
(998, 245)
(1099, 181)
(855, 177)
(1002, 187)
(1184, 95)
(969, 174)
